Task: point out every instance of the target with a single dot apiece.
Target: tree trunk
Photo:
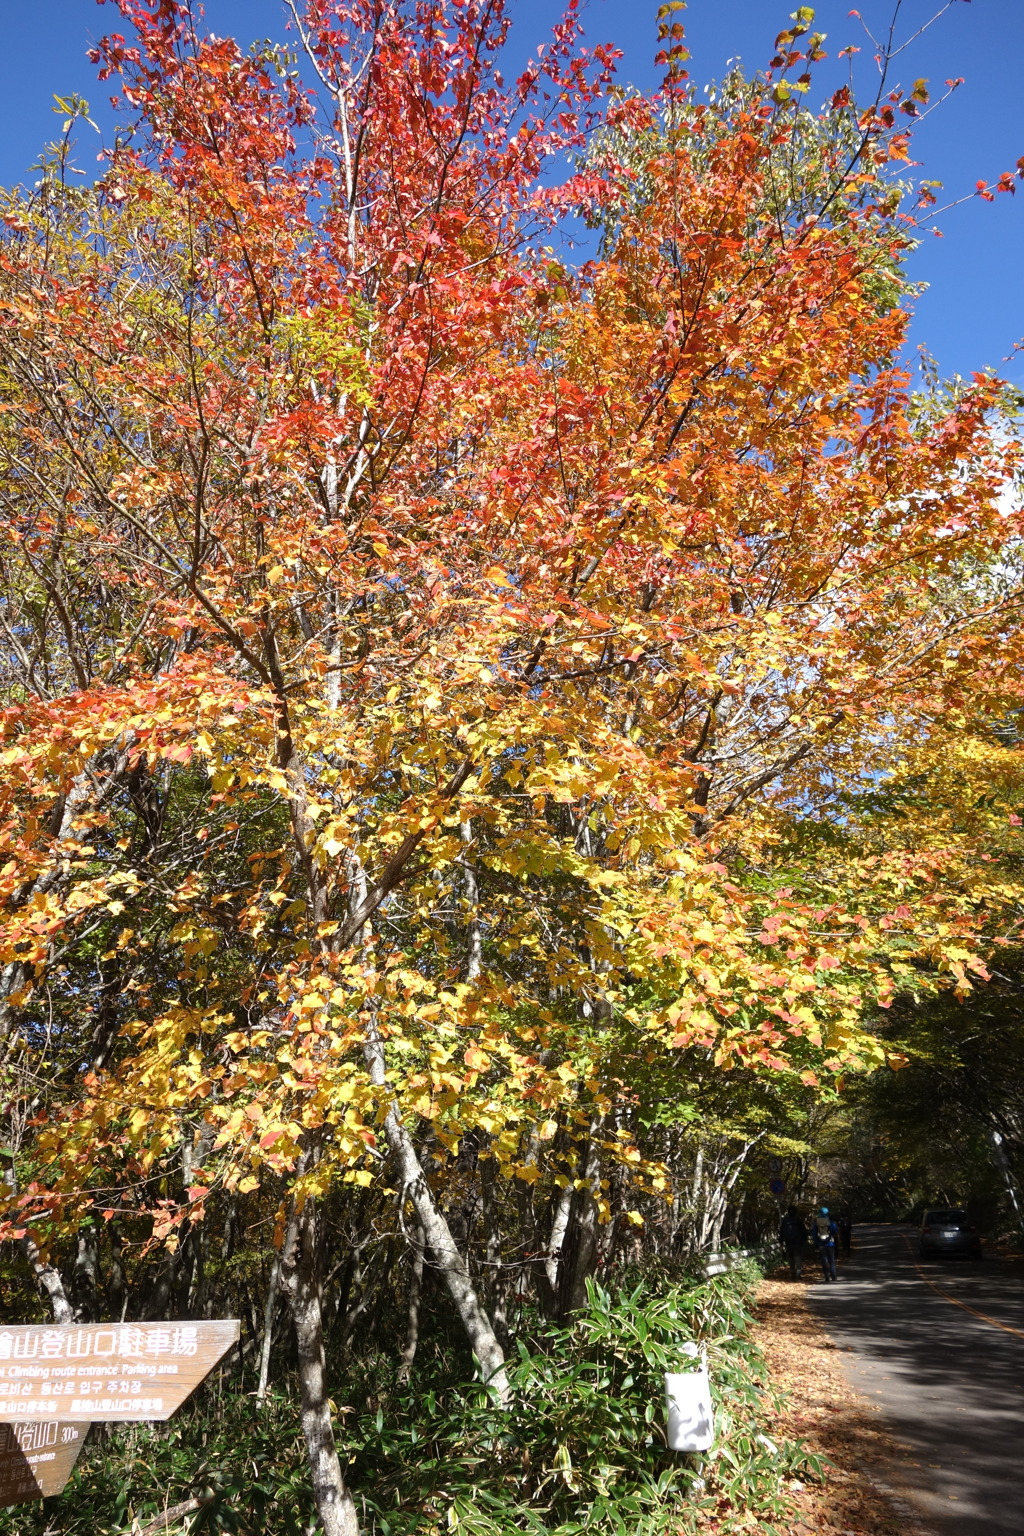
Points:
(117, 1285)
(493, 1257)
(447, 1259)
(360, 1290)
(559, 1223)
(160, 1296)
(227, 1246)
(172, 1516)
(1002, 1162)
(474, 943)
(48, 1277)
(334, 1502)
(45, 1274)
(86, 1279)
(696, 1204)
(579, 1248)
(268, 1327)
(412, 1330)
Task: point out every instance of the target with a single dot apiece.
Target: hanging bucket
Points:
(691, 1425)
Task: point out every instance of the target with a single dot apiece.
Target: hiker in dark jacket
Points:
(845, 1234)
(793, 1237)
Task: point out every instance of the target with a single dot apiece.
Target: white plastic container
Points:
(691, 1425)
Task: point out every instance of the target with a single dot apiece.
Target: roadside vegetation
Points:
(581, 1445)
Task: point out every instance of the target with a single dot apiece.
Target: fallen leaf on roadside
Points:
(833, 1420)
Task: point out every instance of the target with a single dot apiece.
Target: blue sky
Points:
(972, 314)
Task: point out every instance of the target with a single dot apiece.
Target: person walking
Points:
(823, 1235)
(793, 1238)
(845, 1234)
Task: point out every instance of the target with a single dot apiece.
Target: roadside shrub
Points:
(583, 1447)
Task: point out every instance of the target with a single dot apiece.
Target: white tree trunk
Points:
(412, 1331)
(48, 1276)
(334, 1502)
(556, 1237)
(474, 944)
(448, 1261)
(269, 1309)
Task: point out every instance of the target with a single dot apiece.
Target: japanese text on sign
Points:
(115, 1372)
(100, 1343)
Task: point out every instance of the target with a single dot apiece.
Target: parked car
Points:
(945, 1232)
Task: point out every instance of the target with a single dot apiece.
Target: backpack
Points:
(822, 1228)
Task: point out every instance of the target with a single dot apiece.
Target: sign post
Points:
(37, 1459)
(55, 1381)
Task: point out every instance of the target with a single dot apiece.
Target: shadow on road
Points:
(950, 1383)
(823, 1410)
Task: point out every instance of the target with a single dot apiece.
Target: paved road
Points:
(950, 1383)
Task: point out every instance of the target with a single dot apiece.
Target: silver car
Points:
(945, 1231)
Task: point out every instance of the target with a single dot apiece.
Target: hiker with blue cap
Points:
(823, 1235)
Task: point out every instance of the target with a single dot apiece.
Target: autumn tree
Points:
(423, 653)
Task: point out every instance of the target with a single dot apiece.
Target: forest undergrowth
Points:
(581, 1447)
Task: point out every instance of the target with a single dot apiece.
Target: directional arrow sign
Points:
(36, 1459)
(120, 1372)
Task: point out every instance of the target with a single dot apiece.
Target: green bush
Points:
(583, 1447)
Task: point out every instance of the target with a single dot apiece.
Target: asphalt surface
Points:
(950, 1383)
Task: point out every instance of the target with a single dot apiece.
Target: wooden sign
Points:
(120, 1372)
(37, 1459)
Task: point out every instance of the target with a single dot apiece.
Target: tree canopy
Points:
(464, 703)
